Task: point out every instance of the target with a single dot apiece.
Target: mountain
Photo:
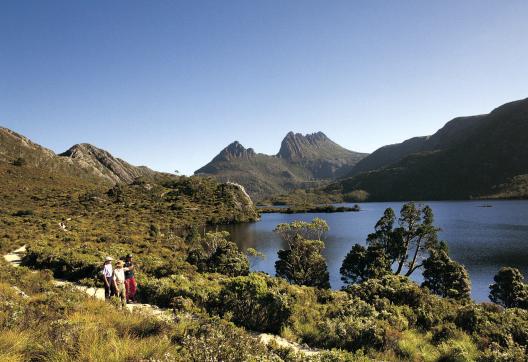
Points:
(302, 161)
(106, 166)
(82, 160)
(470, 157)
(34, 177)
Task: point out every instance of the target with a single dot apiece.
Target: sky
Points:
(168, 84)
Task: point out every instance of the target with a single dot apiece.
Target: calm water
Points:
(481, 238)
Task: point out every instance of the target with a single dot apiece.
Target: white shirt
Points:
(119, 275)
(107, 270)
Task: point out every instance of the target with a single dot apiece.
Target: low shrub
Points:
(257, 302)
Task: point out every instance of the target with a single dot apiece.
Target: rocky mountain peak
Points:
(234, 151)
(104, 164)
(296, 146)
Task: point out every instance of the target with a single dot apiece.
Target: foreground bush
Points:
(256, 302)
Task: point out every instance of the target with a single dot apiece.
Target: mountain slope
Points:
(469, 157)
(303, 161)
(106, 166)
(82, 160)
(36, 181)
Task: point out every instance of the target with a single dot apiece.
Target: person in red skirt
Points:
(130, 280)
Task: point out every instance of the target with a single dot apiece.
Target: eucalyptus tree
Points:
(302, 261)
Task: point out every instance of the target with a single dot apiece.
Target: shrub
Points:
(215, 254)
(19, 161)
(23, 213)
(256, 302)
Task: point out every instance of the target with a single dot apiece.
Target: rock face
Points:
(105, 165)
(14, 145)
(470, 157)
(234, 151)
(297, 147)
(302, 161)
(80, 161)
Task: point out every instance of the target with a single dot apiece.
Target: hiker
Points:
(119, 282)
(108, 272)
(130, 280)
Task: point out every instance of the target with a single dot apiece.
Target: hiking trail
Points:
(14, 258)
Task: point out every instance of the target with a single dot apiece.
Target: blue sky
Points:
(168, 84)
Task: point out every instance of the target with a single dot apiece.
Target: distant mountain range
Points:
(302, 161)
(484, 156)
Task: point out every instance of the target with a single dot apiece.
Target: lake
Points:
(482, 238)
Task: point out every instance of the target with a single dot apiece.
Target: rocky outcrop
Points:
(14, 145)
(82, 161)
(105, 165)
(234, 151)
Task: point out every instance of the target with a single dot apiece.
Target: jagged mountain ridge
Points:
(302, 161)
(470, 157)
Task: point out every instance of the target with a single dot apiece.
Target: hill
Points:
(302, 161)
(84, 161)
(40, 189)
(470, 157)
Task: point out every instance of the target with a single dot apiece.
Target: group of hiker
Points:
(119, 280)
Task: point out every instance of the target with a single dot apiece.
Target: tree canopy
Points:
(509, 289)
(302, 262)
(401, 247)
(446, 277)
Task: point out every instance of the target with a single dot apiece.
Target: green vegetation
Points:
(303, 161)
(302, 263)
(308, 209)
(300, 198)
(509, 289)
(412, 245)
(444, 276)
(213, 253)
(470, 157)
(70, 224)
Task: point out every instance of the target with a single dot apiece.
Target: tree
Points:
(303, 263)
(418, 235)
(363, 263)
(509, 289)
(408, 244)
(215, 254)
(386, 238)
(444, 276)
(313, 230)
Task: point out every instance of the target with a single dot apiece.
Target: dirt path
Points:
(14, 258)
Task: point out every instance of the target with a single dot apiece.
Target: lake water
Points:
(482, 238)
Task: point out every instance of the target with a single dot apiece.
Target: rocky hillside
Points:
(303, 161)
(106, 166)
(32, 175)
(470, 157)
(83, 160)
